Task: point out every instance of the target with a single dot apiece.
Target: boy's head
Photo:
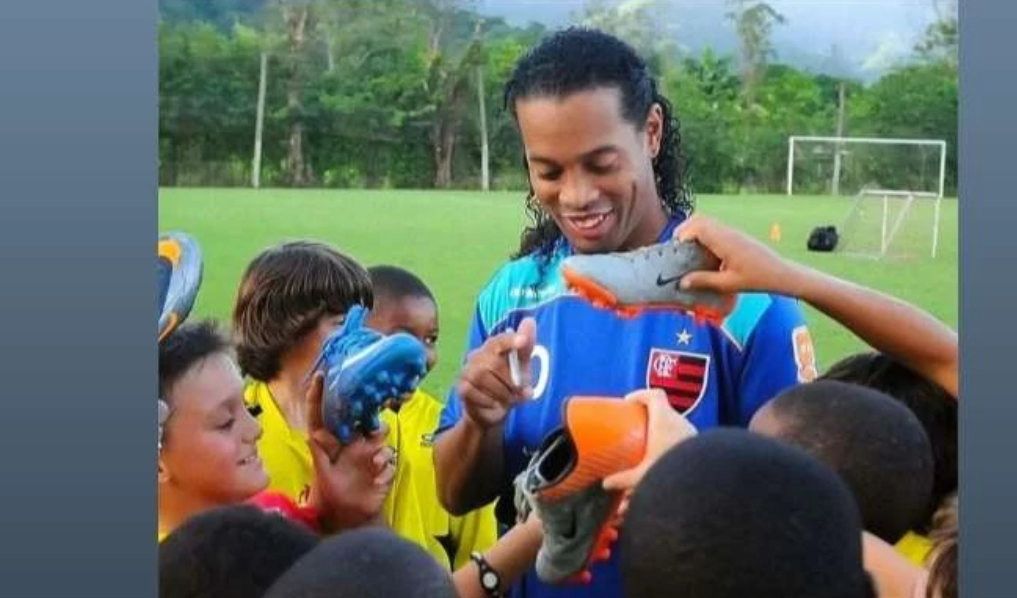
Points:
(602, 149)
(728, 514)
(933, 406)
(209, 445)
(365, 563)
(291, 297)
(231, 552)
(403, 303)
(876, 444)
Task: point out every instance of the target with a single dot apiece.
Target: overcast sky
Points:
(869, 33)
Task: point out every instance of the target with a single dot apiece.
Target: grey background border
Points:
(78, 127)
(78, 139)
(988, 293)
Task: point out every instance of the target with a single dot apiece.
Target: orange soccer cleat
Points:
(562, 483)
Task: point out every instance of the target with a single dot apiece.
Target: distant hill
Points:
(853, 38)
(221, 12)
(859, 39)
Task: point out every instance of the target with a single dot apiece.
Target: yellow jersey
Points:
(283, 450)
(449, 539)
(914, 547)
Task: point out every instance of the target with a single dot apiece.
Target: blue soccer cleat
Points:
(364, 371)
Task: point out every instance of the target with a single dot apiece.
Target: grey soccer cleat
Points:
(179, 268)
(562, 484)
(646, 278)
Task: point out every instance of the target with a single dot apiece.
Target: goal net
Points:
(895, 188)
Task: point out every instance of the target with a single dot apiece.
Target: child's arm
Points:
(889, 325)
(511, 557)
(475, 531)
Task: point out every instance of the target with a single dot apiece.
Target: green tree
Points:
(450, 64)
(208, 88)
(705, 95)
(640, 23)
(918, 101)
(753, 23)
(941, 39)
(383, 93)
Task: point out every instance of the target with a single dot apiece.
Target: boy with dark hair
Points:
(876, 445)
(292, 297)
(367, 563)
(230, 552)
(935, 409)
(931, 404)
(918, 355)
(729, 514)
(208, 453)
(404, 303)
(289, 294)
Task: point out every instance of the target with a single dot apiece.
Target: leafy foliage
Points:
(386, 94)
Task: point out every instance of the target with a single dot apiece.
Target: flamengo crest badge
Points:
(683, 376)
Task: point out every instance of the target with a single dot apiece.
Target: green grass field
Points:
(455, 241)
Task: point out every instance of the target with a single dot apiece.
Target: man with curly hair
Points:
(606, 172)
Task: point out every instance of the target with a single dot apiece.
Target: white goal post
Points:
(888, 218)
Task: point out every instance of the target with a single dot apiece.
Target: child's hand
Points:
(350, 482)
(746, 264)
(665, 428)
(350, 490)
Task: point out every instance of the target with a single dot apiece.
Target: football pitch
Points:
(455, 240)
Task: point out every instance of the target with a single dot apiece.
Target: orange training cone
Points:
(775, 233)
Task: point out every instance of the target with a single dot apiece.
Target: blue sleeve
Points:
(453, 405)
(778, 355)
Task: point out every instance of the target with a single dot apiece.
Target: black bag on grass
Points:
(823, 238)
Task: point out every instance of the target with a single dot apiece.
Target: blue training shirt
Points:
(714, 376)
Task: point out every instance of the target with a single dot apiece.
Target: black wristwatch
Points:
(490, 580)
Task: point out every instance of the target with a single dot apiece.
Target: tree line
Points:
(408, 94)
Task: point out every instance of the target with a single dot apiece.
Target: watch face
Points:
(489, 581)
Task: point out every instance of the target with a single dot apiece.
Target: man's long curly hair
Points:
(579, 59)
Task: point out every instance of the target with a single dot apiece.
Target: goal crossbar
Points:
(868, 140)
(896, 193)
(877, 140)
